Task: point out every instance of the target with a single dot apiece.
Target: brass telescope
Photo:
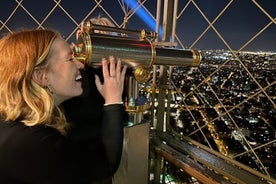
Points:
(136, 50)
(139, 54)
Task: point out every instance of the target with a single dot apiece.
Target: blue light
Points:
(143, 15)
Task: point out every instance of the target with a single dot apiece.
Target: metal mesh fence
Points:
(228, 102)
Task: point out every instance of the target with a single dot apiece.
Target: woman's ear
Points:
(39, 77)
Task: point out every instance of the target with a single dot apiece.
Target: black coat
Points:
(40, 154)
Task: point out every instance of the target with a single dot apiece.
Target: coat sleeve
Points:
(112, 134)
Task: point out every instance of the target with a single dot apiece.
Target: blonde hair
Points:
(100, 20)
(21, 99)
(103, 21)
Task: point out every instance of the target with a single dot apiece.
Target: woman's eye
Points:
(71, 59)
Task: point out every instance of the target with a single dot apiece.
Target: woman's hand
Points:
(114, 76)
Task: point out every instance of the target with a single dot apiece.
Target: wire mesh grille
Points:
(228, 102)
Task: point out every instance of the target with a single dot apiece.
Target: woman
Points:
(38, 73)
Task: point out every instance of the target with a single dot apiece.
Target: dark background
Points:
(238, 24)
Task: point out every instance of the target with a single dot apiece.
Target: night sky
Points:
(237, 25)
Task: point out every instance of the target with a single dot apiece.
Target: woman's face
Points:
(63, 73)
